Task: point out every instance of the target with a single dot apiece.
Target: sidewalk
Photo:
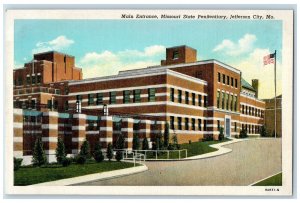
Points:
(95, 176)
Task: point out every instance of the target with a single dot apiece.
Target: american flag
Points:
(270, 58)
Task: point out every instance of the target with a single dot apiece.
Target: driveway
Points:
(250, 161)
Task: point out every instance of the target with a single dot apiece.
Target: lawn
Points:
(272, 181)
(198, 148)
(34, 175)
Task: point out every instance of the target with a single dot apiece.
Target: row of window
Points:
(187, 97)
(252, 111)
(187, 124)
(113, 97)
(226, 101)
(34, 79)
(225, 79)
(27, 104)
(251, 129)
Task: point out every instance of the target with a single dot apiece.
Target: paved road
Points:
(249, 161)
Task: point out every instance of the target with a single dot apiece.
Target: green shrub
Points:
(80, 159)
(166, 135)
(145, 145)
(109, 152)
(98, 156)
(66, 162)
(263, 132)
(17, 163)
(243, 133)
(135, 142)
(119, 155)
(221, 134)
(60, 151)
(85, 150)
(39, 157)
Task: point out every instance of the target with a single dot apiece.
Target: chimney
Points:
(255, 86)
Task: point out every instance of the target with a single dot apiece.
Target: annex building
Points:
(196, 98)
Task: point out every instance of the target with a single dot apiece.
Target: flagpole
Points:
(275, 92)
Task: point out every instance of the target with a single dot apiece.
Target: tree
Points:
(263, 131)
(175, 141)
(221, 134)
(166, 135)
(85, 150)
(98, 156)
(17, 163)
(135, 142)
(120, 146)
(39, 157)
(109, 152)
(145, 145)
(60, 151)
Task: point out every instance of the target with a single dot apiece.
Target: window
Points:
(151, 94)
(223, 79)
(49, 104)
(112, 97)
(199, 124)
(99, 98)
(66, 105)
(232, 81)
(199, 99)
(90, 99)
(172, 95)
(28, 80)
(186, 123)
(235, 128)
(228, 81)
(205, 127)
(243, 109)
(179, 96)
(219, 77)
(172, 123)
(246, 110)
(226, 101)
(126, 96)
(20, 81)
(186, 97)
(218, 99)
(231, 102)
(255, 111)
(235, 83)
(223, 99)
(39, 79)
(175, 55)
(55, 104)
(205, 101)
(193, 99)
(33, 104)
(193, 124)
(78, 97)
(179, 123)
(218, 124)
(33, 79)
(137, 96)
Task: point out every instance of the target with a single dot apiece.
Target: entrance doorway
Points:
(227, 126)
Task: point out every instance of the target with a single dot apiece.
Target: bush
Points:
(66, 162)
(135, 142)
(190, 141)
(243, 133)
(166, 135)
(208, 138)
(85, 150)
(98, 156)
(60, 151)
(119, 156)
(80, 159)
(17, 163)
(263, 131)
(221, 134)
(39, 157)
(109, 152)
(145, 145)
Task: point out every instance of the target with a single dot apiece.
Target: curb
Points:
(95, 176)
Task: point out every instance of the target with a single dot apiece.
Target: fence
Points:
(155, 154)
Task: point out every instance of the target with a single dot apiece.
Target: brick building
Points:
(270, 116)
(195, 97)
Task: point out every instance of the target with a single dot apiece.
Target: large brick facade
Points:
(195, 97)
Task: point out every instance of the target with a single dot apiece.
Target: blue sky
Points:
(103, 47)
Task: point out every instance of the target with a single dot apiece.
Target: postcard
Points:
(149, 102)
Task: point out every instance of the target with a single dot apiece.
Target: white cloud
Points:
(244, 45)
(58, 44)
(253, 68)
(108, 63)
